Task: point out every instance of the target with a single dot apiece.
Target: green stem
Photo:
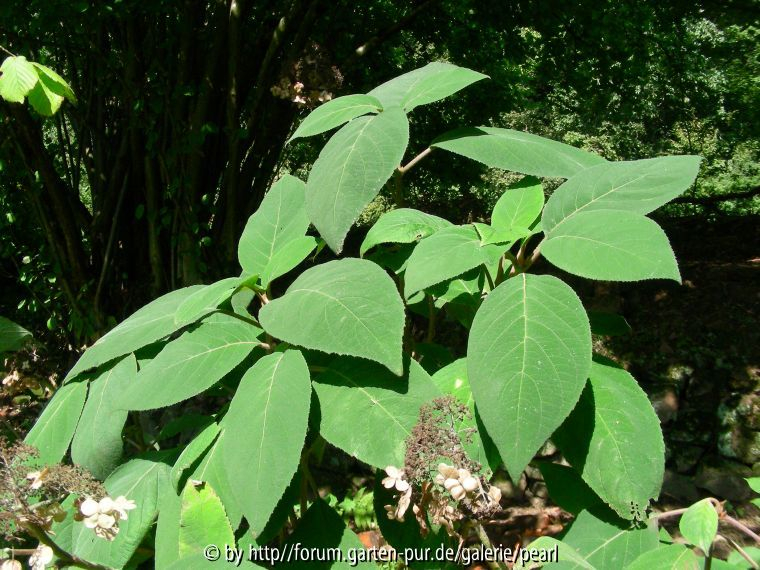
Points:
(67, 558)
(483, 536)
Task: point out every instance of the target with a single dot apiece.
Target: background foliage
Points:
(145, 184)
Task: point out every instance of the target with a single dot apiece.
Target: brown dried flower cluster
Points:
(311, 79)
(450, 494)
(32, 498)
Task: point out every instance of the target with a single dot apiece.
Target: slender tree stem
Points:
(6, 50)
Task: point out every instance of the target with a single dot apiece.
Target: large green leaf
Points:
(336, 112)
(611, 245)
(528, 358)
(568, 489)
(97, 444)
(199, 561)
(167, 530)
(192, 452)
(518, 151)
(17, 80)
(404, 225)
(350, 306)
(147, 325)
(519, 206)
(613, 439)
(638, 186)
(281, 218)
(322, 530)
(264, 432)
(699, 524)
(605, 545)
(55, 427)
(287, 257)
(142, 481)
(544, 547)
(351, 169)
(446, 254)
(202, 521)
(435, 81)
(368, 412)
(670, 557)
(12, 336)
(205, 300)
(452, 379)
(212, 469)
(191, 364)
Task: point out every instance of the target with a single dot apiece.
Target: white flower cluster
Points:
(460, 483)
(103, 516)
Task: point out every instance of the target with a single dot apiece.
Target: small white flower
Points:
(121, 505)
(106, 521)
(9, 564)
(395, 479)
(105, 505)
(41, 557)
(470, 484)
(458, 492)
(88, 507)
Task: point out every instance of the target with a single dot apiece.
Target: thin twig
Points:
(741, 551)
(741, 527)
(6, 50)
(409, 165)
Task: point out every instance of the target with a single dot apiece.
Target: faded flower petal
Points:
(106, 521)
(91, 521)
(122, 505)
(41, 557)
(37, 478)
(470, 484)
(106, 505)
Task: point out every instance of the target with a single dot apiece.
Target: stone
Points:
(723, 484)
(680, 488)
